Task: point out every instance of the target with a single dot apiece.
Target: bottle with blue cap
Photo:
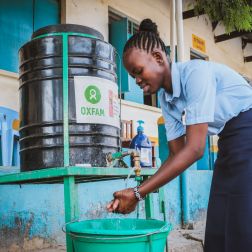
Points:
(142, 144)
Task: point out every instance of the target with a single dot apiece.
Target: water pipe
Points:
(180, 31)
(137, 170)
(184, 199)
(183, 176)
(172, 30)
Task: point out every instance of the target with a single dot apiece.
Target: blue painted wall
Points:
(199, 184)
(30, 211)
(18, 20)
(52, 10)
(173, 202)
(37, 211)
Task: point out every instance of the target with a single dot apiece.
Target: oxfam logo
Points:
(92, 94)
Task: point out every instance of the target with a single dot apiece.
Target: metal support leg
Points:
(149, 209)
(71, 206)
(162, 209)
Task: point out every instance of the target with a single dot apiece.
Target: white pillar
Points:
(180, 31)
(172, 30)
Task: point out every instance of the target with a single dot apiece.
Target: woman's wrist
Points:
(142, 192)
(138, 195)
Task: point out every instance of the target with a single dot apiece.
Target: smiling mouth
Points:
(145, 88)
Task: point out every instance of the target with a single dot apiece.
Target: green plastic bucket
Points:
(122, 235)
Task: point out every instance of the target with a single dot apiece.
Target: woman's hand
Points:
(124, 202)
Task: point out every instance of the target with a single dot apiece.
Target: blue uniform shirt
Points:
(207, 92)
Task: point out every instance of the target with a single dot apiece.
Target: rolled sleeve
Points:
(174, 128)
(200, 91)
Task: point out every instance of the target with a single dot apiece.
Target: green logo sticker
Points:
(92, 94)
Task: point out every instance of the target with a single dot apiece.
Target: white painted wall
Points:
(135, 112)
(228, 52)
(248, 65)
(9, 90)
(94, 13)
(91, 13)
(157, 10)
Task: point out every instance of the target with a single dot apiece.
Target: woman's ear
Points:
(158, 57)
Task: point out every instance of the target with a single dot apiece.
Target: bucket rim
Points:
(73, 228)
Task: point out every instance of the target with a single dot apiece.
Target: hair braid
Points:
(147, 38)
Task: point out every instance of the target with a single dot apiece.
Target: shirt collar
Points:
(176, 86)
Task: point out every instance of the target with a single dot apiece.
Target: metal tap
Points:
(112, 157)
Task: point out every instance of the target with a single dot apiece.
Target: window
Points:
(121, 28)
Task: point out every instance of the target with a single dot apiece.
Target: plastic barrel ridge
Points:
(106, 235)
(92, 90)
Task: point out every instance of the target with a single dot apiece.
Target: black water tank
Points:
(94, 128)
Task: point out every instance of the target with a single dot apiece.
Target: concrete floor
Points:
(179, 240)
(185, 240)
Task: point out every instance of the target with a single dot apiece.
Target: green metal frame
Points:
(81, 174)
(149, 209)
(71, 206)
(70, 175)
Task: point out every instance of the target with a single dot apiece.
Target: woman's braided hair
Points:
(147, 38)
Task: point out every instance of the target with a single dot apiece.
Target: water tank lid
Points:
(67, 28)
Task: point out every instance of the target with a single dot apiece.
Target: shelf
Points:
(81, 174)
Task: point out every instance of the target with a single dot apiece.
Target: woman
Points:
(215, 100)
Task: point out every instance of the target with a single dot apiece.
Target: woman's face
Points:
(147, 68)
